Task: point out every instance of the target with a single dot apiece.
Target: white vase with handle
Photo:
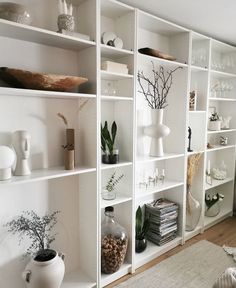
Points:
(45, 274)
(157, 131)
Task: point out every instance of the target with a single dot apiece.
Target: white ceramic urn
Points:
(47, 274)
(157, 131)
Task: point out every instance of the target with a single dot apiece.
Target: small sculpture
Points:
(21, 144)
(189, 139)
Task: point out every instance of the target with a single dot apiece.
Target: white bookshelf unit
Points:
(207, 66)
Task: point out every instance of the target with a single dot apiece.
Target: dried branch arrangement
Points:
(37, 229)
(157, 89)
(193, 162)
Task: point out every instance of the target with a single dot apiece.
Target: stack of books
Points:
(115, 67)
(162, 215)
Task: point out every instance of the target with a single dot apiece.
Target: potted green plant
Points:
(109, 190)
(110, 155)
(46, 268)
(141, 228)
(214, 122)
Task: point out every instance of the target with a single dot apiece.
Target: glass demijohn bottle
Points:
(114, 243)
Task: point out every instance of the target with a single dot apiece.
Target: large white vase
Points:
(46, 274)
(157, 131)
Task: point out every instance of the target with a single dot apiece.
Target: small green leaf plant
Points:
(37, 229)
(113, 181)
(107, 138)
(141, 225)
(211, 200)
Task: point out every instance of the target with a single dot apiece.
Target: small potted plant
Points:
(212, 204)
(110, 155)
(214, 122)
(46, 267)
(109, 190)
(141, 229)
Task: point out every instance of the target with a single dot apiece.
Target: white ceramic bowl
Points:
(15, 12)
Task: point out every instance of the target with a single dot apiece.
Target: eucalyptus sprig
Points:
(113, 181)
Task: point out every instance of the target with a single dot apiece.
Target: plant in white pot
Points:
(214, 122)
(155, 91)
(46, 268)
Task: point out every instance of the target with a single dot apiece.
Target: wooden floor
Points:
(220, 234)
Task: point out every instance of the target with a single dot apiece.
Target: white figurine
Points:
(21, 144)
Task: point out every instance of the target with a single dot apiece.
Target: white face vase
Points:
(21, 143)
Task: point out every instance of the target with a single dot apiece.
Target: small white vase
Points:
(157, 131)
(47, 274)
(214, 125)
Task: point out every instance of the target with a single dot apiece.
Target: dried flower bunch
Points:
(210, 200)
(63, 117)
(113, 181)
(37, 229)
(156, 90)
(193, 162)
(214, 117)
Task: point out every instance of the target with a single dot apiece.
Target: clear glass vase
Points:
(114, 243)
(193, 212)
(213, 211)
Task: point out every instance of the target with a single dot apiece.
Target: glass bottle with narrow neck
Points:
(114, 243)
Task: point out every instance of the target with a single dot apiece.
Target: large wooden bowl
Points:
(30, 80)
(156, 53)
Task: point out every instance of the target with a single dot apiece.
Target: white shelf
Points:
(222, 99)
(111, 166)
(119, 199)
(195, 152)
(210, 221)
(108, 278)
(190, 234)
(198, 68)
(221, 131)
(77, 279)
(197, 112)
(152, 251)
(219, 147)
(114, 76)
(5, 91)
(216, 183)
(146, 159)
(42, 36)
(222, 74)
(46, 174)
(168, 184)
(116, 98)
(113, 52)
(114, 9)
(144, 59)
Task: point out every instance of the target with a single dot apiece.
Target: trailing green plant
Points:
(37, 229)
(211, 200)
(107, 138)
(141, 225)
(113, 181)
(214, 117)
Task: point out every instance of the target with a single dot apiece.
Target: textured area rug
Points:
(197, 266)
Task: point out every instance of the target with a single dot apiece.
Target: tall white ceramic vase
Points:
(157, 131)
